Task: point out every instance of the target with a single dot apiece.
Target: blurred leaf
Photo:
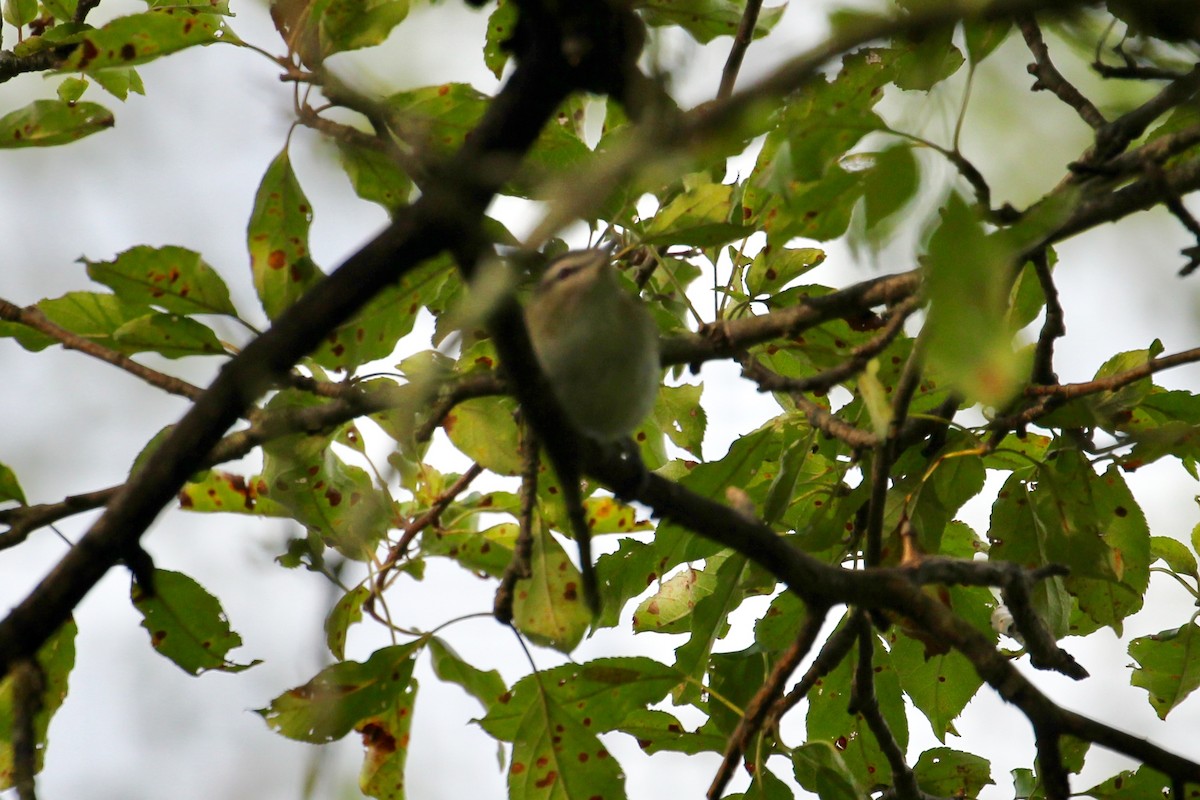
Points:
(62, 10)
(173, 278)
(706, 19)
(968, 341)
(983, 36)
(927, 59)
(186, 624)
(657, 731)
(45, 123)
(374, 175)
(702, 216)
(216, 490)
(343, 696)
(945, 772)
(277, 239)
(709, 623)
(501, 25)
(346, 612)
(354, 24)
(139, 38)
(484, 430)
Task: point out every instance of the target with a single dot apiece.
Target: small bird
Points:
(596, 343)
(598, 347)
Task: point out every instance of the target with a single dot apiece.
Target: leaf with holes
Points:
(945, 772)
(186, 624)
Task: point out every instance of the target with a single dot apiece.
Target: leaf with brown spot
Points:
(138, 38)
(343, 696)
(277, 238)
(45, 123)
(385, 744)
(549, 606)
(186, 624)
(175, 279)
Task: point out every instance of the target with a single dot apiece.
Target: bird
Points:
(597, 345)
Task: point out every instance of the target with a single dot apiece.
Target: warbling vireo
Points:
(596, 343)
(598, 347)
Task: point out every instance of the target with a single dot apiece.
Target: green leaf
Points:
(819, 768)
(1175, 554)
(927, 59)
(373, 332)
(501, 25)
(374, 175)
(19, 13)
(598, 694)
(486, 687)
(669, 610)
(215, 491)
(707, 19)
(1168, 666)
(346, 611)
(173, 278)
(945, 772)
(702, 216)
(968, 341)
(186, 624)
(484, 430)
(343, 696)
(385, 743)
(277, 238)
(56, 658)
(139, 38)
(983, 36)
(10, 487)
(354, 24)
(63, 10)
(45, 123)
(709, 623)
(119, 82)
(168, 335)
(549, 607)
(656, 731)
(678, 413)
(775, 267)
(71, 89)
(940, 685)
(1143, 782)
(92, 315)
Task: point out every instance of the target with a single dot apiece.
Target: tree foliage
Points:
(898, 397)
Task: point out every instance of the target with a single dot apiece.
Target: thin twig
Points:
(741, 42)
(1049, 78)
(33, 318)
(1053, 326)
(864, 701)
(519, 566)
(765, 698)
